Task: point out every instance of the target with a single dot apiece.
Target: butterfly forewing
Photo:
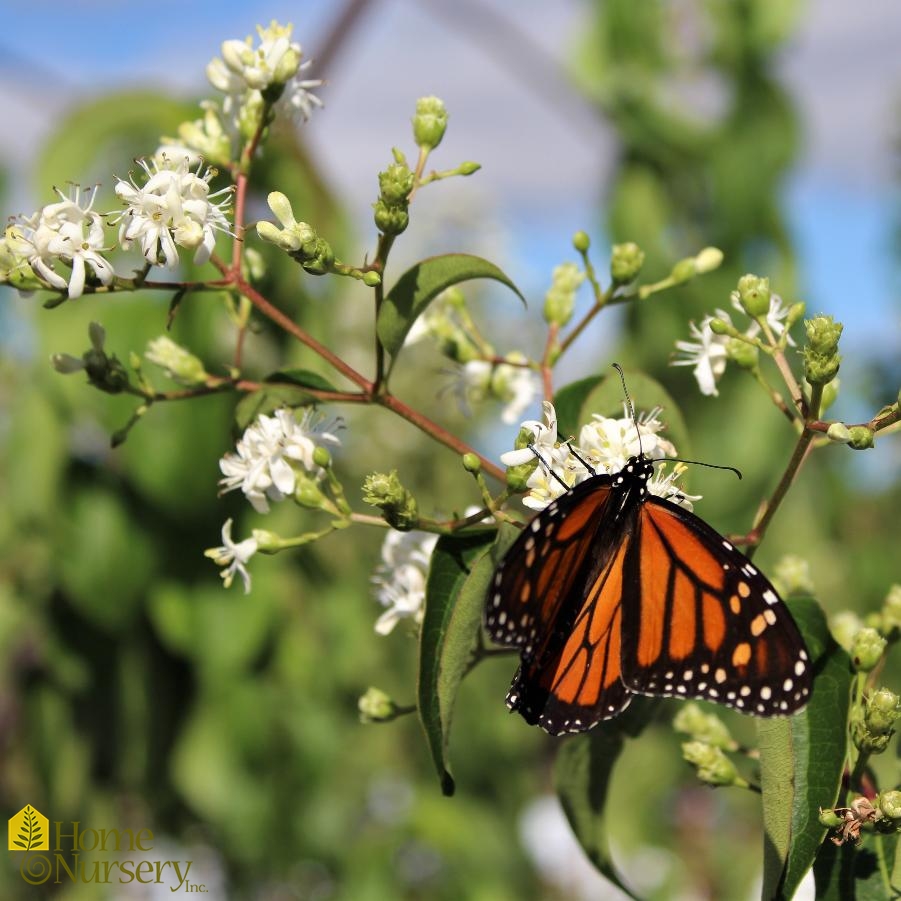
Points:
(701, 621)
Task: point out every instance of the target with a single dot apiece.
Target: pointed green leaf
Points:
(421, 284)
(459, 575)
(801, 760)
(301, 377)
(582, 773)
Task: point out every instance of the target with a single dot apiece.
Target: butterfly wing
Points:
(557, 597)
(701, 621)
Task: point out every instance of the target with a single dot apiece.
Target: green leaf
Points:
(418, 286)
(459, 576)
(569, 401)
(269, 399)
(582, 774)
(302, 377)
(801, 760)
(856, 872)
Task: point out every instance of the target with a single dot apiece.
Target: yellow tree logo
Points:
(29, 831)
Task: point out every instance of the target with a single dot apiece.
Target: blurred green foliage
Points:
(135, 692)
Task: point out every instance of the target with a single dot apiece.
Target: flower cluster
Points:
(716, 340)
(58, 244)
(606, 444)
(267, 456)
(399, 580)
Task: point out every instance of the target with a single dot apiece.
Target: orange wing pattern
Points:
(611, 592)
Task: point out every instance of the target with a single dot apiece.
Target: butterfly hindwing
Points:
(701, 621)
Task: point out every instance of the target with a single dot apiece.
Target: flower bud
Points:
(390, 220)
(820, 369)
(795, 312)
(321, 457)
(744, 354)
(472, 463)
(518, 476)
(376, 707)
(830, 819)
(267, 542)
(429, 123)
(66, 364)
(703, 727)
(97, 336)
(307, 492)
(754, 295)
(791, 576)
(371, 278)
(844, 626)
(867, 649)
(581, 242)
(684, 271)
(881, 709)
(708, 259)
(861, 437)
(281, 207)
(890, 804)
(719, 326)
(823, 334)
(468, 168)
(625, 262)
(561, 296)
(179, 363)
(395, 184)
(839, 433)
(890, 615)
(712, 765)
(398, 506)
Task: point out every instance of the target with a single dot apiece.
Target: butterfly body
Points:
(611, 591)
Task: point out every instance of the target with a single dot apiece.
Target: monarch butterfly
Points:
(611, 591)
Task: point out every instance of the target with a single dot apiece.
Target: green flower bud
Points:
(844, 627)
(429, 123)
(684, 271)
(179, 363)
(376, 707)
(866, 741)
(861, 437)
(823, 334)
(830, 393)
(890, 804)
(830, 819)
(468, 168)
(97, 336)
(390, 220)
(581, 242)
(703, 727)
(66, 364)
(307, 492)
(867, 649)
(398, 506)
(561, 296)
(321, 457)
(371, 278)
(708, 259)
(472, 463)
(626, 261)
(720, 326)
(890, 615)
(791, 576)
(281, 208)
(272, 234)
(754, 295)
(881, 709)
(744, 354)
(395, 184)
(839, 433)
(713, 767)
(518, 476)
(820, 369)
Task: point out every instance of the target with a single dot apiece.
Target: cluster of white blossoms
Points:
(606, 444)
(245, 73)
(62, 245)
(268, 454)
(514, 385)
(172, 207)
(708, 352)
(399, 580)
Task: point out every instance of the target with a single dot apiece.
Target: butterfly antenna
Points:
(698, 463)
(622, 378)
(547, 466)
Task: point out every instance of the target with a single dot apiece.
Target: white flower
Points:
(172, 208)
(400, 578)
(544, 441)
(518, 386)
(263, 466)
(609, 443)
(234, 557)
(56, 234)
(297, 100)
(663, 484)
(707, 353)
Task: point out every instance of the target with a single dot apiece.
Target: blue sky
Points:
(843, 70)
